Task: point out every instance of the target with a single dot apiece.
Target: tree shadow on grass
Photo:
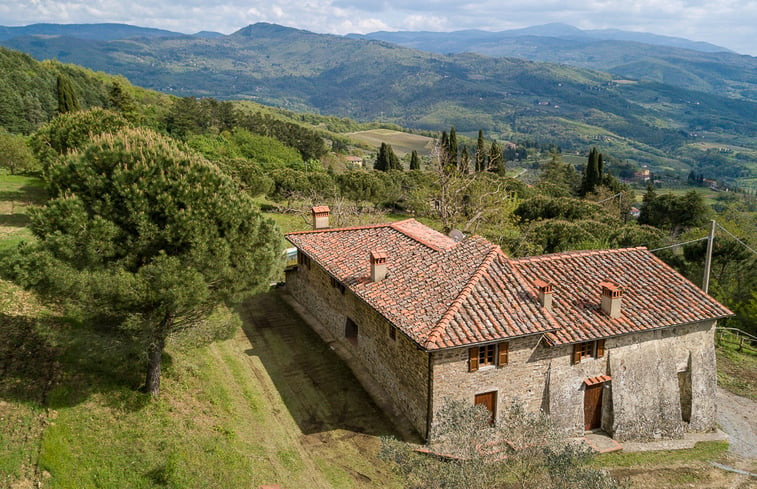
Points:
(55, 363)
(317, 387)
(14, 220)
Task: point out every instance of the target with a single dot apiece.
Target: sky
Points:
(728, 23)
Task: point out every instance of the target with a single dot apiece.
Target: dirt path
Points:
(737, 416)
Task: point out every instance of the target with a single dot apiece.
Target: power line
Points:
(737, 239)
(609, 198)
(680, 244)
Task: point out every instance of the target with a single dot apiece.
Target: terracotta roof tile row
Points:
(446, 294)
(654, 295)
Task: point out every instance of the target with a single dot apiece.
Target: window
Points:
(487, 355)
(588, 349)
(350, 331)
(303, 259)
(337, 285)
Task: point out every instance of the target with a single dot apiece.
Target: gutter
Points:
(429, 392)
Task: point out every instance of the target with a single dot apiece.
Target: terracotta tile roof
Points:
(439, 292)
(653, 294)
(444, 294)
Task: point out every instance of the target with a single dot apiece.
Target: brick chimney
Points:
(611, 298)
(545, 293)
(320, 216)
(378, 265)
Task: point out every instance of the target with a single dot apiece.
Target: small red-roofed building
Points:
(602, 339)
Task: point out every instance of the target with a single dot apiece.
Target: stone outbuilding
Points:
(602, 339)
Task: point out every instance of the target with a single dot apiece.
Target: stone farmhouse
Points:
(602, 339)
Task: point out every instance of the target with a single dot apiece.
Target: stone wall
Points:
(396, 365)
(641, 402)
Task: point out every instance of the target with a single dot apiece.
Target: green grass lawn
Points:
(270, 405)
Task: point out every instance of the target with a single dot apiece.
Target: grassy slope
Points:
(266, 406)
(271, 405)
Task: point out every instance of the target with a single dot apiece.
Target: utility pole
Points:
(708, 258)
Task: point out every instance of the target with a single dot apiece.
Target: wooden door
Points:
(489, 400)
(593, 407)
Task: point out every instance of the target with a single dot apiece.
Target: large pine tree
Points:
(147, 238)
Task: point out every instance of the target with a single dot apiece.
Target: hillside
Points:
(673, 61)
(511, 99)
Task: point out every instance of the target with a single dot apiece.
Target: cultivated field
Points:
(402, 143)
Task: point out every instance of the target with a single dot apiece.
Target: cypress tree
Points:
(67, 100)
(496, 162)
(415, 162)
(392, 162)
(452, 149)
(480, 152)
(464, 160)
(381, 163)
(591, 173)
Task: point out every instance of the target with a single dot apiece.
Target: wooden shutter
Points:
(472, 359)
(577, 353)
(600, 348)
(502, 349)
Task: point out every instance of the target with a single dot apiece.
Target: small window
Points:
(588, 349)
(487, 355)
(303, 259)
(350, 331)
(392, 332)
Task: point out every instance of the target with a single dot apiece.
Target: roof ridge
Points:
(569, 254)
(348, 228)
(467, 288)
(394, 225)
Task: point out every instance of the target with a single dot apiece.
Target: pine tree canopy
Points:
(146, 236)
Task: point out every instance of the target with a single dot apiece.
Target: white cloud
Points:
(728, 23)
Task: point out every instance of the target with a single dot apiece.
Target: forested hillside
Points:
(661, 125)
(135, 225)
(677, 62)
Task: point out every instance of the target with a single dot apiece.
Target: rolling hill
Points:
(674, 61)
(512, 99)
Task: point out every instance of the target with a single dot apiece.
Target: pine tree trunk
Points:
(154, 357)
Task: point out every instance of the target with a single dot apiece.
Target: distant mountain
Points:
(675, 61)
(96, 32)
(467, 38)
(367, 80)
(208, 34)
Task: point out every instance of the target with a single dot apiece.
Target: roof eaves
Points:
(556, 341)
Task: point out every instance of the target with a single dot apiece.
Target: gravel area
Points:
(737, 416)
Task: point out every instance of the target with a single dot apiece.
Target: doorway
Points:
(593, 407)
(489, 400)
